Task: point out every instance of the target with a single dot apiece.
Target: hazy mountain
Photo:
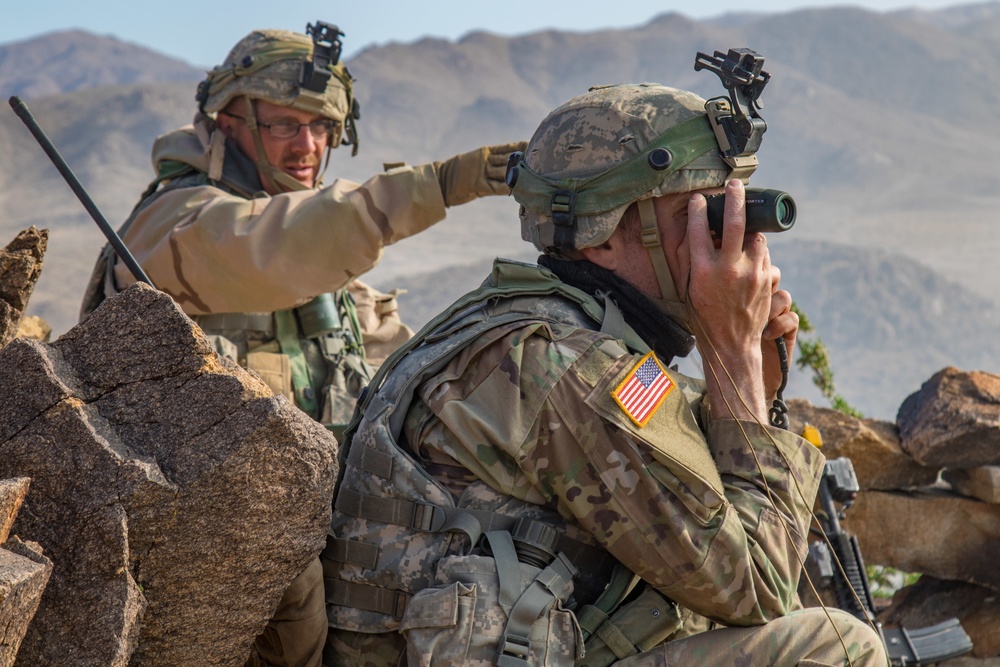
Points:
(63, 62)
(878, 123)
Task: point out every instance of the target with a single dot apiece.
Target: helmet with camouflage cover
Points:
(610, 147)
(290, 70)
(600, 152)
(269, 65)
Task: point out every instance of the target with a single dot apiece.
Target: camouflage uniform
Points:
(271, 278)
(515, 408)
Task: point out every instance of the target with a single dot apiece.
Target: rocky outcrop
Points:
(982, 483)
(872, 445)
(175, 495)
(20, 267)
(24, 572)
(930, 500)
(933, 600)
(932, 532)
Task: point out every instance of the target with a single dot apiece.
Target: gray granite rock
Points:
(24, 572)
(176, 496)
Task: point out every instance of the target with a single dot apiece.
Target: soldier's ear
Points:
(609, 255)
(225, 124)
(602, 255)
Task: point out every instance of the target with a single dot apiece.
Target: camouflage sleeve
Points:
(689, 514)
(215, 252)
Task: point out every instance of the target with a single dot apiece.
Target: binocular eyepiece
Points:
(767, 210)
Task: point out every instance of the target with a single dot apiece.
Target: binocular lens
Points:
(767, 210)
(786, 212)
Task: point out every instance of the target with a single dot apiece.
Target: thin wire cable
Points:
(760, 469)
(813, 518)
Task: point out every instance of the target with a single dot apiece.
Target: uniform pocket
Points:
(438, 625)
(463, 623)
(275, 370)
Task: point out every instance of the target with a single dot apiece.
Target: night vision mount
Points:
(317, 72)
(326, 52)
(736, 121)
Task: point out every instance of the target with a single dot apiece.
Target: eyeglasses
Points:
(288, 129)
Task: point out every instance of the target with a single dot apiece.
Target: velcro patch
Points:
(643, 390)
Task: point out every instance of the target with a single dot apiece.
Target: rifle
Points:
(905, 647)
(21, 109)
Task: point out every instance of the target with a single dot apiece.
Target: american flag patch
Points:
(643, 389)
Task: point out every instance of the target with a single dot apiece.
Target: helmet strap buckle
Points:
(563, 207)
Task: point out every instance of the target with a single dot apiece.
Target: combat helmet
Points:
(287, 69)
(600, 152)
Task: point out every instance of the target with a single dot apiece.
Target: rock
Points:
(953, 420)
(932, 601)
(20, 266)
(940, 534)
(24, 572)
(872, 445)
(35, 328)
(176, 496)
(12, 493)
(982, 483)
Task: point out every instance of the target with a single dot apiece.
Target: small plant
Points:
(885, 581)
(813, 355)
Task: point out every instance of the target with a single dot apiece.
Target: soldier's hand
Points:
(782, 322)
(729, 289)
(478, 173)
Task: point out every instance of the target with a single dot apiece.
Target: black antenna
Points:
(21, 109)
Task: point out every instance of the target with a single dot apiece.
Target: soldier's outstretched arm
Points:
(216, 252)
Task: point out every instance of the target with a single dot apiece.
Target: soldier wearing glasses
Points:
(238, 228)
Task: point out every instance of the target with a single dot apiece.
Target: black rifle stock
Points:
(906, 647)
(21, 109)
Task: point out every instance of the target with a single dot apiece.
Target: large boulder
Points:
(24, 572)
(953, 420)
(176, 496)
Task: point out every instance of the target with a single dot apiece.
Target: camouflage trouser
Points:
(295, 635)
(804, 637)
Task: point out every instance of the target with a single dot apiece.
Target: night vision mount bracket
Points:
(736, 121)
(326, 52)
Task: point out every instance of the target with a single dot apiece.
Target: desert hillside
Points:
(877, 124)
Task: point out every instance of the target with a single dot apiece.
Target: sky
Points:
(201, 32)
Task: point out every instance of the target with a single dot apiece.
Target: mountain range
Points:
(879, 124)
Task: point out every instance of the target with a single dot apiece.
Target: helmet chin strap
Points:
(669, 301)
(276, 179)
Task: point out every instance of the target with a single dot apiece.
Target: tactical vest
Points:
(404, 556)
(312, 354)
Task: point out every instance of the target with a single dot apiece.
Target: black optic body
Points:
(767, 211)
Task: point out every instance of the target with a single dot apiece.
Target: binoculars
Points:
(767, 210)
